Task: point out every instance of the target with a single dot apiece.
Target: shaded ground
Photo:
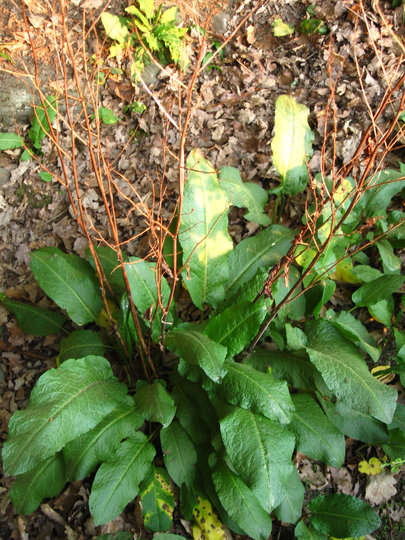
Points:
(232, 123)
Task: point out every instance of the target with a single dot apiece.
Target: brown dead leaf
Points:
(380, 488)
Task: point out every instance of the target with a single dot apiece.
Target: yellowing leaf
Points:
(343, 272)
(113, 27)
(281, 29)
(207, 525)
(375, 466)
(364, 467)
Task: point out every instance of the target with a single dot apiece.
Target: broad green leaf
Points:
(241, 503)
(69, 281)
(244, 195)
(45, 176)
(260, 451)
(169, 15)
(357, 425)
(342, 515)
(398, 421)
(45, 480)
(380, 190)
(40, 125)
(110, 264)
(147, 7)
(294, 309)
(114, 27)
(296, 339)
(395, 447)
(296, 368)
(179, 454)
(366, 273)
(203, 233)
(9, 141)
(142, 279)
(117, 480)
(59, 411)
(377, 290)
(290, 510)
(316, 297)
(107, 116)
(154, 403)
(260, 392)
(291, 144)
(354, 330)
(265, 249)
(345, 372)
(84, 453)
(302, 532)
(198, 349)
(383, 310)
(157, 499)
(34, 320)
(188, 414)
(237, 325)
(316, 436)
(391, 263)
(81, 343)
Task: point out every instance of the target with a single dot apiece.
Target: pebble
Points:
(220, 22)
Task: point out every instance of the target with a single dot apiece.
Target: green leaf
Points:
(179, 454)
(391, 263)
(167, 536)
(292, 144)
(114, 27)
(357, 425)
(366, 273)
(154, 403)
(59, 411)
(295, 368)
(381, 188)
(265, 249)
(9, 141)
(45, 480)
(383, 310)
(342, 515)
(45, 176)
(260, 451)
(117, 480)
(142, 282)
(237, 325)
(316, 436)
(34, 320)
(147, 7)
(377, 290)
(40, 125)
(69, 281)
(345, 372)
(157, 499)
(395, 447)
(290, 510)
(240, 503)
(26, 155)
(302, 532)
(169, 15)
(244, 195)
(81, 343)
(203, 233)
(83, 454)
(107, 116)
(398, 420)
(354, 330)
(194, 411)
(198, 349)
(260, 392)
(316, 297)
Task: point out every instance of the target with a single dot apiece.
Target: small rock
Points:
(150, 74)
(4, 176)
(220, 22)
